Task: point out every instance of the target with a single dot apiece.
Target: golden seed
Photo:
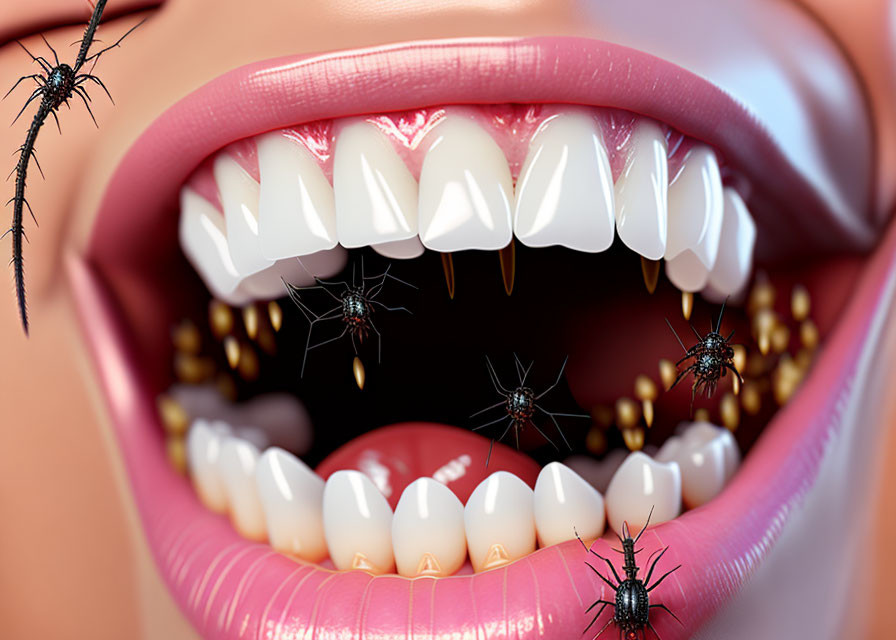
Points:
(751, 398)
(275, 314)
(701, 415)
(173, 416)
(192, 369)
(176, 450)
(762, 296)
(647, 408)
(729, 411)
(358, 371)
(232, 351)
(185, 337)
(780, 338)
(740, 357)
(785, 379)
(602, 416)
(735, 385)
(645, 388)
(763, 324)
(627, 413)
(448, 268)
(634, 438)
(248, 365)
(507, 258)
(800, 303)
(250, 320)
(687, 304)
(650, 269)
(220, 319)
(596, 441)
(668, 373)
(809, 334)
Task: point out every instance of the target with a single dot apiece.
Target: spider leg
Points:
(494, 406)
(488, 424)
(602, 576)
(34, 76)
(596, 615)
(516, 432)
(646, 524)
(85, 98)
(657, 583)
(545, 436)
(696, 333)
(58, 128)
(666, 609)
(494, 377)
(653, 565)
(492, 443)
(675, 333)
(607, 560)
(55, 57)
(81, 62)
(519, 368)
(734, 370)
(380, 304)
(650, 626)
(554, 420)
(319, 344)
(556, 382)
(721, 313)
(81, 79)
(681, 375)
(37, 92)
(379, 341)
(604, 628)
(327, 316)
(45, 65)
(322, 286)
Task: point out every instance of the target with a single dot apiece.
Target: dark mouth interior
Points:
(593, 308)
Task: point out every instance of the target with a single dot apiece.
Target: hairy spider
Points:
(713, 358)
(631, 610)
(56, 84)
(520, 405)
(355, 306)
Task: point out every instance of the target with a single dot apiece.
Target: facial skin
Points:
(71, 537)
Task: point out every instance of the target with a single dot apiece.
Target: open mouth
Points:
(444, 259)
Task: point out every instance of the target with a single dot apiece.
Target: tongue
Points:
(395, 456)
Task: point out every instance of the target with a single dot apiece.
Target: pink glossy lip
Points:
(230, 588)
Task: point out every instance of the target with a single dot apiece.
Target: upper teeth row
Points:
(275, 496)
(465, 198)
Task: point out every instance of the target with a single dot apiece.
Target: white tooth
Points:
(357, 523)
(564, 505)
(268, 284)
(296, 212)
(292, 498)
(203, 453)
(641, 192)
(732, 268)
(597, 473)
(428, 530)
(203, 240)
(237, 465)
(702, 432)
(499, 520)
(255, 436)
(564, 195)
(696, 205)
(376, 195)
(401, 249)
(465, 189)
(640, 484)
(703, 464)
(239, 198)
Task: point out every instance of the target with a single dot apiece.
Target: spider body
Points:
(631, 608)
(354, 305)
(712, 357)
(56, 84)
(520, 405)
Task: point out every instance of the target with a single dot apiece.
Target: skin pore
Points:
(71, 536)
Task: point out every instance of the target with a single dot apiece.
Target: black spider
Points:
(520, 405)
(631, 610)
(713, 358)
(55, 86)
(355, 307)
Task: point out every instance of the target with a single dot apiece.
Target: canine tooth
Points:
(428, 530)
(763, 324)
(291, 496)
(250, 320)
(358, 372)
(564, 194)
(465, 189)
(633, 438)
(173, 416)
(707, 456)
(641, 192)
(668, 373)
(376, 195)
(729, 410)
(237, 467)
(232, 351)
(203, 239)
(401, 249)
(239, 199)
(507, 258)
(448, 268)
(687, 304)
(800, 303)
(275, 315)
(203, 453)
(642, 483)
(736, 242)
(565, 504)
(357, 523)
(176, 452)
(627, 413)
(296, 210)
(650, 269)
(696, 208)
(499, 521)
(809, 334)
(646, 392)
(786, 377)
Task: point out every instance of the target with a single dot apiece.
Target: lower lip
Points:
(231, 588)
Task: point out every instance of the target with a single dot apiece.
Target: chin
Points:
(397, 342)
